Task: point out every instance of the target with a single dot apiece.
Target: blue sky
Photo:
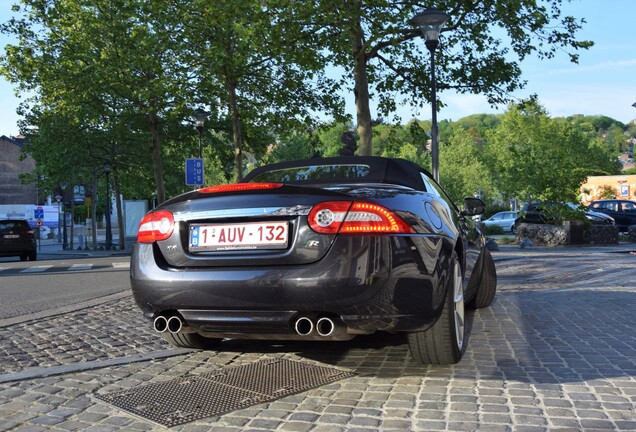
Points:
(604, 81)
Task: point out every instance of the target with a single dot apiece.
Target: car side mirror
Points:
(473, 207)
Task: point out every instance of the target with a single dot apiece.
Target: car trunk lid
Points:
(246, 228)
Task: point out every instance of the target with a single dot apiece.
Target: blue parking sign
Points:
(194, 172)
(625, 190)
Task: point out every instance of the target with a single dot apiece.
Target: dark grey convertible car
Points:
(317, 249)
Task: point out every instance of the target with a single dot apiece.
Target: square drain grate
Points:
(190, 398)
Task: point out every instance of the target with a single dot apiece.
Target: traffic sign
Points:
(38, 213)
(39, 223)
(194, 172)
(625, 190)
(79, 194)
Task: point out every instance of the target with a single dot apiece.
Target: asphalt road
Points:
(35, 287)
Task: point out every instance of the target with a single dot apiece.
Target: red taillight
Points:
(155, 226)
(238, 187)
(357, 218)
(326, 218)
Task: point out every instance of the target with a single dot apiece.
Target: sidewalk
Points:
(54, 247)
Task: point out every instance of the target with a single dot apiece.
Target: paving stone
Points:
(365, 421)
(497, 418)
(544, 356)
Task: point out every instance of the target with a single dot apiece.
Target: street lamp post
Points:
(109, 233)
(64, 185)
(431, 21)
(199, 116)
(58, 198)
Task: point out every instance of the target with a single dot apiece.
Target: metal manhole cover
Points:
(182, 400)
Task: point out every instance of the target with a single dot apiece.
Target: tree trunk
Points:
(94, 212)
(236, 130)
(361, 92)
(120, 212)
(156, 157)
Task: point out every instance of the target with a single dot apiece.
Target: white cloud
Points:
(603, 66)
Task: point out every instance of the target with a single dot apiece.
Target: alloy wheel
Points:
(458, 305)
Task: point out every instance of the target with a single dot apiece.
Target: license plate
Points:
(255, 235)
(11, 236)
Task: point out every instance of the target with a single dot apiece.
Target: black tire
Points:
(487, 282)
(33, 256)
(190, 340)
(513, 229)
(444, 342)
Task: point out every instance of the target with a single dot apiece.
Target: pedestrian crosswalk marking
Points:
(73, 267)
(81, 267)
(36, 269)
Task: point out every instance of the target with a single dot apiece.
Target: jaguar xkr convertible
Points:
(320, 249)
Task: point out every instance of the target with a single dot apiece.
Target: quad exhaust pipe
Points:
(173, 324)
(324, 326)
(304, 326)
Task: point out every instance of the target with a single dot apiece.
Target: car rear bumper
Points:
(16, 248)
(363, 284)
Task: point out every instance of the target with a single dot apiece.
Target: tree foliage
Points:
(463, 171)
(114, 81)
(481, 49)
(536, 157)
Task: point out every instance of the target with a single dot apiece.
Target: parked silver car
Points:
(505, 220)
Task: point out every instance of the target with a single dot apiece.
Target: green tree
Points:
(330, 138)
(616, 139)
(109, 63)
(482, 46)
(259, 63)
(293, 147)
(538, 158)
(462, 171)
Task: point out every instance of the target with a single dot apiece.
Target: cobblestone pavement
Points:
(555, 351)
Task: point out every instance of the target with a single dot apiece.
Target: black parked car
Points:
(17, 239)
(319, 249)
(547, 213)
(623, 211)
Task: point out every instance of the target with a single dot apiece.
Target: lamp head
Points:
(199, 116)
(430, 21)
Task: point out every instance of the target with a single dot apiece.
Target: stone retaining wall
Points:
(568, 233)
(603, 234)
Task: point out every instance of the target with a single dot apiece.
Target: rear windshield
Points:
(11, 225)
(315, 173)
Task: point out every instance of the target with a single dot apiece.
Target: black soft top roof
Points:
(381, 170)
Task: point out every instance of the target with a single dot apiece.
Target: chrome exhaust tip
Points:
(325, 326)
(160, 324)
(304, 326)
(174, 324)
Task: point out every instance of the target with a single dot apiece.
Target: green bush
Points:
(492, 230)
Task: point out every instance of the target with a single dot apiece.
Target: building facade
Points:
(11, 166)
(605, 187)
